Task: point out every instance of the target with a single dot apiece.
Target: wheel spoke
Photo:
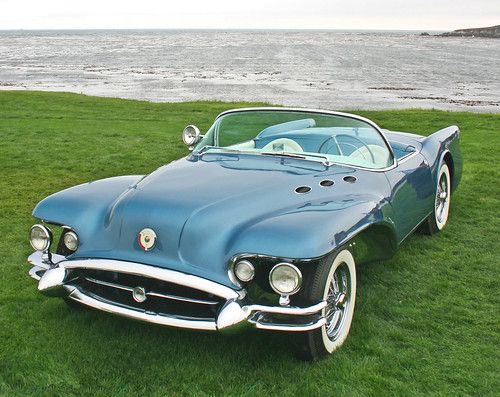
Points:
(444, 186)
(333, 323)
(341, 282)
(330, 312)
(344, 282)
(340, 301)
(335, 283)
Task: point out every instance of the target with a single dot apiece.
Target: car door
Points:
(412, 193)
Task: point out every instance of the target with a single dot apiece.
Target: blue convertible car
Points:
(261, 226)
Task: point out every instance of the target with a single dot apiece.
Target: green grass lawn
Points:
(427, 322)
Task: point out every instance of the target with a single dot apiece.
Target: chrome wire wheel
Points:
(340, 295)
(442, 201)
(338, 298)
(333, 281)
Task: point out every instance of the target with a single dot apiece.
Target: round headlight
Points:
(285, 278)
(71, 241)
(244, 270)
(40, 237)
(190, 135)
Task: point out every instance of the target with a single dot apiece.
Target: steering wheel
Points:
(337, 145)
(284, 145)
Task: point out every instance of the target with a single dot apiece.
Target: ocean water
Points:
(317, 69)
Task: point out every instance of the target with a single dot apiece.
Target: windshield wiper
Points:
(281, 154)
(205, 149)
(325, 161)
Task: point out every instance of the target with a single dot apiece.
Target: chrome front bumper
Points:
(54, 280)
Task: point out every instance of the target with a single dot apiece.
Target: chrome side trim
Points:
(170, 321)
(138, 269)
(417, 137)
(287, 310)
(152, 293)
(288, 327)
(408, 156)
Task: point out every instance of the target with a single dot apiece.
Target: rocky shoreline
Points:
(489, 32)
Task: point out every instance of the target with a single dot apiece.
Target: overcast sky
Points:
(227, 14)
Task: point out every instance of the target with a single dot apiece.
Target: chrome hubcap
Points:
(338, 301)
(442, 198)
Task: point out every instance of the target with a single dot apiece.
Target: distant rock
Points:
(491, 32)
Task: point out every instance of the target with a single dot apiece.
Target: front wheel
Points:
(335, 282)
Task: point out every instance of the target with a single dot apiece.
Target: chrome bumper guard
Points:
(53, 280)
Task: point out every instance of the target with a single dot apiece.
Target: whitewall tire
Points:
(442, 200)
(443, 196)
(334, 281)
(340, 293)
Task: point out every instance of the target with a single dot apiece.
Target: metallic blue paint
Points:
(207, 208)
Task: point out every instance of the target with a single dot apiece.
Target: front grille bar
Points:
(152, 293)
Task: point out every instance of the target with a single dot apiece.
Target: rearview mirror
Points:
(191, 136)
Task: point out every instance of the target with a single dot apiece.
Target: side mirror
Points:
(191, 136)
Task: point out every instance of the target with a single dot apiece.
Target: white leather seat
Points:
(283, 145)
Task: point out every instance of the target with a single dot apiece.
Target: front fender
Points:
(83, 205)
(315, 229)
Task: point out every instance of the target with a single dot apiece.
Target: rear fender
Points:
(444, 145)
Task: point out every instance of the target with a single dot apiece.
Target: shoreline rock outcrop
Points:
(490, 32)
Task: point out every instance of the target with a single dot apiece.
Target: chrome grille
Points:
(160, 297)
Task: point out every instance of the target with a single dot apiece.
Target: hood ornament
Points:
(146, 239)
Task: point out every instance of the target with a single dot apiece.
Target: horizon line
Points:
(237, 29)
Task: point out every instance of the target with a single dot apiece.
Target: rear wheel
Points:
(437, 220)
(335, 282)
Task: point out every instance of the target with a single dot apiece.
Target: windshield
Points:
(316, 136)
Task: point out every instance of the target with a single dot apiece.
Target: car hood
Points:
(206, 209)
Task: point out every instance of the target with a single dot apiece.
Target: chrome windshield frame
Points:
(314, 111)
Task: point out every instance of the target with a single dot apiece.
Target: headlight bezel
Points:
(45, 232)
(191, 135)
(294, 269)
(244, 263)
(71, 234)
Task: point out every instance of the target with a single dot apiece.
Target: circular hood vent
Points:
(303, 189)
(326, 183)
(350, 179)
